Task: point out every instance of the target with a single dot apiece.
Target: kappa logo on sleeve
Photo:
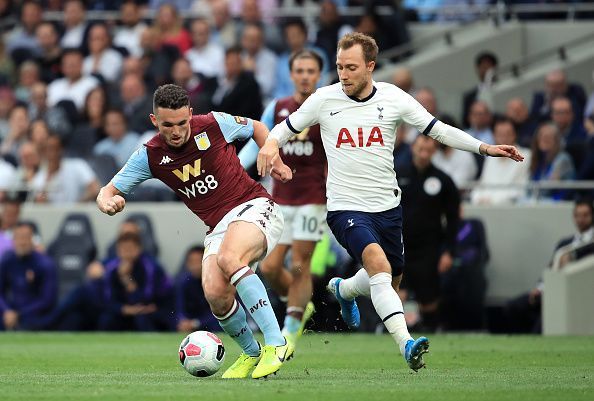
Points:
(240, 120)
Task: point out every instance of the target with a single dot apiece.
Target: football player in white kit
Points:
(358, 119)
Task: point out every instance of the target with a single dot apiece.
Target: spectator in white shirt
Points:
(498, 172)
(128, 34)
(120, 143)
(74, 86)
(259, 60)
(206, 57)
(62, 181)
(102, 59)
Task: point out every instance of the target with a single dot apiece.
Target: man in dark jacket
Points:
(28, 286)
(429, 198)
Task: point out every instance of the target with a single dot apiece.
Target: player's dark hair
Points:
(171, 97)
(486, 56)
(366, 42)
(303, 54)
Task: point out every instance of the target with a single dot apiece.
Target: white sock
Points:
(388, 306)
(355, 286)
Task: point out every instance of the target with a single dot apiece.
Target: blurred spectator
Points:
(480, 120)
(206, 56)
(295, 33)
(556, 85)
(75, 26)
(486, 66)
(517, 111)
(6, 66)
(38, 134)
(29, 162)
(74, 86)
(251, 13)
(523, 313)
(460, 166)
(258, 59)
(430, 222)
(136, 103)
(22, 37)
(193, 312)
(548, 161)
(571, 129)
(28, 283)
(266, 7)
(332, 27)
(50, 51)
(138, 292)
(589, 109)
(102, 61)
(127, 34)
(157, 58)
(7, 102)
(18, 123)
(120, 142)
(170, 29)
(426, 97)
(200, 90)
(63, 181)
(403, 79)
(224, 29)
(81, 308)
(5, 245)
(29, 75)
(182, 5)
(237, 86)
(88, 130)
(501, 172)
(37, 105)
(131, 226)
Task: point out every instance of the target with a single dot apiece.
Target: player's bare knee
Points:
(376, 263)
(218, 297)
(269, 269)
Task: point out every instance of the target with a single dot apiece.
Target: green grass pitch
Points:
(121, 367)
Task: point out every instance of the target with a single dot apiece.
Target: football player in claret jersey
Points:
(358, 119)
(194, 156)
(302, 201)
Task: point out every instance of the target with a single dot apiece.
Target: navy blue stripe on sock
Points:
(291, 126)
(428, 129)
(390, 315)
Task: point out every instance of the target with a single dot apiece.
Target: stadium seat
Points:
(72, 250)
(104, 166)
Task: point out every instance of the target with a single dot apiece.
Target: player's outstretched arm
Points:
(110, 200)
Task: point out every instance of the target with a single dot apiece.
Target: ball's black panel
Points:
(220, 352)
(202, 373)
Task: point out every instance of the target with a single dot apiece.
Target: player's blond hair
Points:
(366, 42)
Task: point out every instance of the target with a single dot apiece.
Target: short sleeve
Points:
(135, 171)
(234, 127)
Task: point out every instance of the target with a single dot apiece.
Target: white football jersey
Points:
(359, 137)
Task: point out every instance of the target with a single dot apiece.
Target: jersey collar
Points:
(365, 98)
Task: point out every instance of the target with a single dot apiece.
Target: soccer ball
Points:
(201, 353)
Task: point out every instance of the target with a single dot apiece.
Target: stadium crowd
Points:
(75, 96)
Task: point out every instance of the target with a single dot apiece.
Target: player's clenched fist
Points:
(111, 205)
